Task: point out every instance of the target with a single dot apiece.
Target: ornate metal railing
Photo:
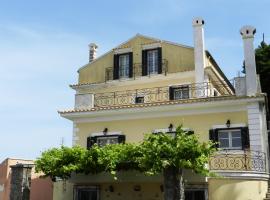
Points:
(238, 161)
(137, 70)
(161, 94)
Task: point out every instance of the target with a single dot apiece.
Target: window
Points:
(179, 92)
(152, 61)
(86, 193)
(139, 100)
(102, 140)
(124, 66)
(230, 138)
(194, 195)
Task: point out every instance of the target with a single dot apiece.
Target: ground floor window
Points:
(195, 195)
(86, 193)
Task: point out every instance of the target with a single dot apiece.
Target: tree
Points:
(158, 153)
(262, 56)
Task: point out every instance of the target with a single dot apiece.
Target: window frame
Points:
(244, 131)
(230, 131)
(145, 67)
(182, 87)
(154, 61)
(126, 71)
(92, 139)
(77, 189)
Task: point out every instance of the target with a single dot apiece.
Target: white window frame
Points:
(153, 54)
(230, 138)
(107, 138)
(124, 69)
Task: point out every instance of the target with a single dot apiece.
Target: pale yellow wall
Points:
(124, 191)
(134, 129)
(62, 191)
(138, 84)
(231, 189)
(179, 59)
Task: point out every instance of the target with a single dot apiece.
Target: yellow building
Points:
(148, 85)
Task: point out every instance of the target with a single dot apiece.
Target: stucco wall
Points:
(229, 189)
(62, 190)
(135, 129)
(179, 59)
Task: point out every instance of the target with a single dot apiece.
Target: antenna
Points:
(263, 37)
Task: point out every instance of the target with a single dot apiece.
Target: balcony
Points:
(162, 94)
(137, 71)
(252, 161)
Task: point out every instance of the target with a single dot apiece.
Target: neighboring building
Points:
(147, 85)
(41, 188)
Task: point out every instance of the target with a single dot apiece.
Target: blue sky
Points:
(43, 43)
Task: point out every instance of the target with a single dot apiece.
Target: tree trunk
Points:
(173, 184)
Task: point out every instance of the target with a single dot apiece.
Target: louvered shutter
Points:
(91, 141)
(159, 60)
(144, 63)
(213, 135)
(116, 67)
(245, 137)
(130, 64)
(171, 93)
(121, 139)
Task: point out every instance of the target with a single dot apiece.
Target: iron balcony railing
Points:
(238, 161)
(162, 94)
(137, 71)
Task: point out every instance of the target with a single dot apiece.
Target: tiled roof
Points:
(182, 101)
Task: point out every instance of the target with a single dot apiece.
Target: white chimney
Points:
(199, 49)
(92, 51)
(248, 33)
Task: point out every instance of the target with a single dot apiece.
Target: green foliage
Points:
(155, 153)
(160, 151)
(262, 54)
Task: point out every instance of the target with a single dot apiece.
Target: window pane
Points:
(236, 142)
(123, 66)
(181, 93)
(236, 134)
(152, 61)
(224, 143)
(102, 141)
(223, 135)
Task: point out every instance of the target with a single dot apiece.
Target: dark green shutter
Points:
(144, 63)
(159, 60)
(91, 141)
(213, 135)
(245, 137)
(130, 64)
(121, 139)
(171, 93)
(116, 67)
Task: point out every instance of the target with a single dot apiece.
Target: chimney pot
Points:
(92, 51)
